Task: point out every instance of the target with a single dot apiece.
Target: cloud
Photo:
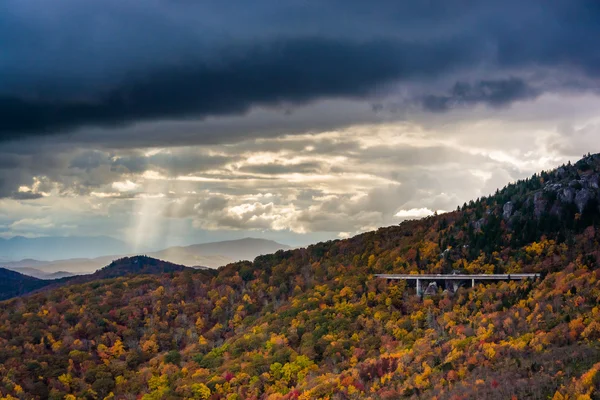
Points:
(125, 186)
(26, 195)
(28, 223)
(357, 190)
(83, 64)
(300, 187)
(185, 121)
(414, 213)
(495, 93)
(277, 169)
(291, 71)
(575, 141)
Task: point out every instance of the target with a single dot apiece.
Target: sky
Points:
(168, 122)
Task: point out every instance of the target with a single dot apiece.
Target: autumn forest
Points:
(314, 323)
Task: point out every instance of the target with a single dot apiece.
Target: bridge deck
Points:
(452, 280)
(458, 276)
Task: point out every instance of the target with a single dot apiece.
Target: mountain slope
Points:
(137, 265)
(15, 284)
(29, 271)
(36, 273)
(314, 323)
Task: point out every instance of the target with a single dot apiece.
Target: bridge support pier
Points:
(472, 282)
(418, 287)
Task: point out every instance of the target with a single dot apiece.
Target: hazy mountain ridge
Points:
(314, 322)
(18, 284)
(58, 275)
(210, 255)
(36, 273)
(14, 284)
(59, 247)
(218, 254)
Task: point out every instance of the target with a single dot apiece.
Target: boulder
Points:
(552, 187)
(431, 289)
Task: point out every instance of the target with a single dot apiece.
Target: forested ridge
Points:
(314, 323)
(17, 284)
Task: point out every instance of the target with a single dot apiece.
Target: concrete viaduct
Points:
(455, 279)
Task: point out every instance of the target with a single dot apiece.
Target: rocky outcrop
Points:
(582, 198)
(591, 181)
(579, 191)
(566, 195)
(431, 290)
(539, 204)
(507, 210)
(567, 190)
(480, 223)
(552, 187)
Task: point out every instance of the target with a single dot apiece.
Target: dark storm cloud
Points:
(83, 63)
(89, 160)
(294, 71)
(496, 93)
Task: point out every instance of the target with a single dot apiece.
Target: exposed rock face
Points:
(477, 225)
(566, 195)
(576, 184)
(431, 289)
(579, 191)
(591, 181)
(582, 198)
(571, 185)
(507, 210)
(553, 187)
(539, 204)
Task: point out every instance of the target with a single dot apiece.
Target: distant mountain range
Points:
(60, 247)
(217, 254)
(210, 255)
(14, 284)
(36, 273)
